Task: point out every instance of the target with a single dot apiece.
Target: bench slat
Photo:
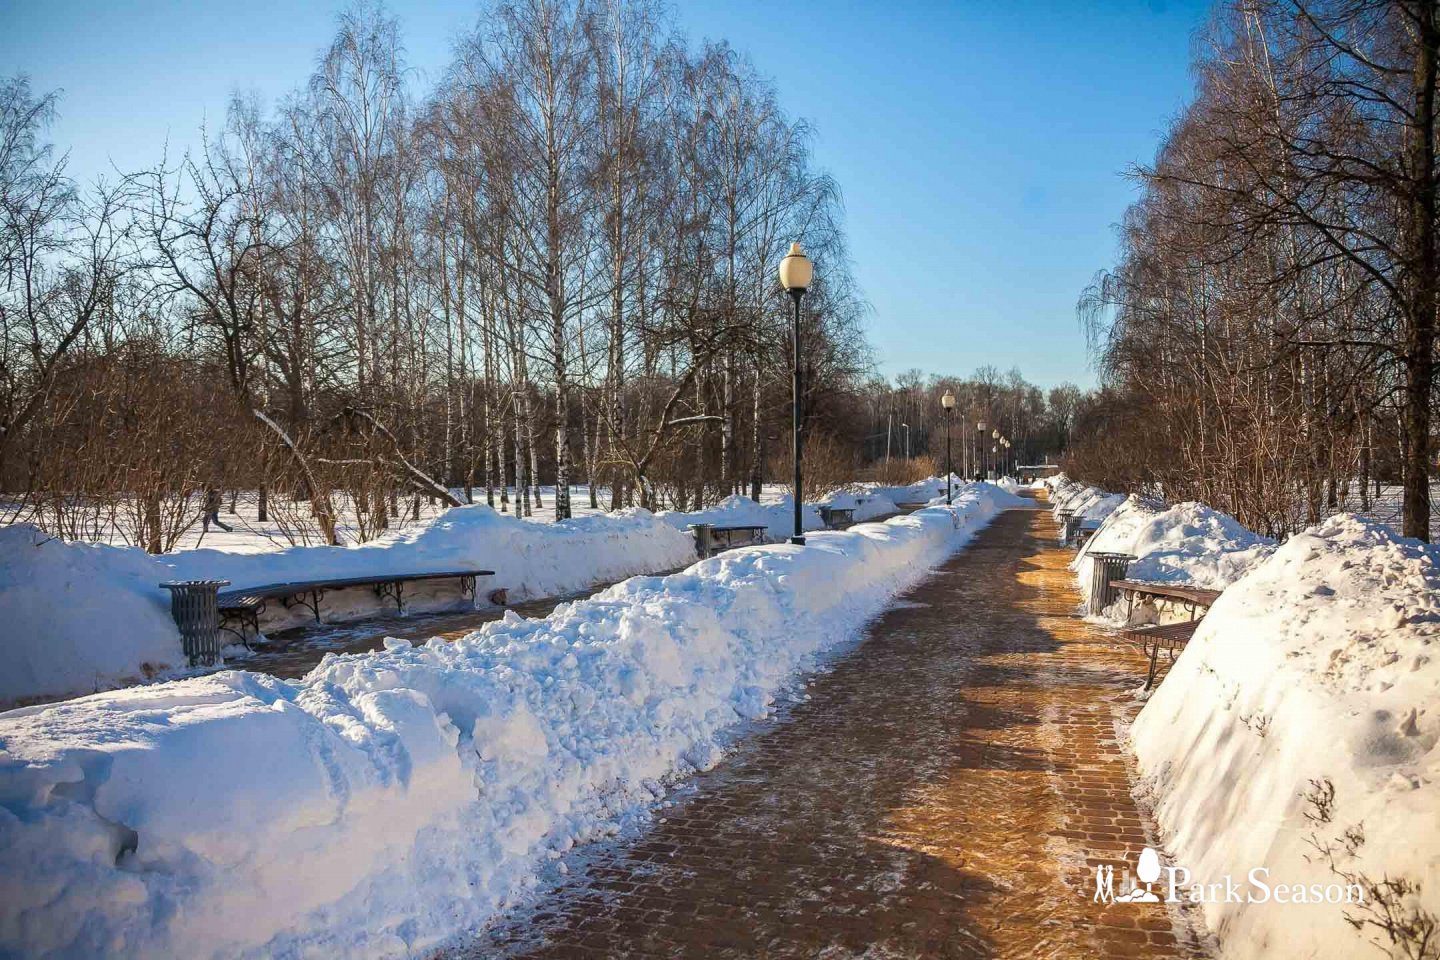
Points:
(304, 586)
(1180, 632)
(1178, 591)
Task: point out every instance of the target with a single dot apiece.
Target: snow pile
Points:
(529, 559)
(992, 490)
(1091, 504)
(54, 597)
(866, 504)
(921, 491)
(778, 518)
(391, 800)
(1186, 543)
(1298, 733)
(78, 616)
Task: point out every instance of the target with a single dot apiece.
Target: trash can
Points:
(1105, 568)
(1064, 517)
(702, 533)
(195, 606)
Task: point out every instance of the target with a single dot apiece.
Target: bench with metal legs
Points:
(245, 605)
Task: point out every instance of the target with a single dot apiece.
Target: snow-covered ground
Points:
(251, 535)
(391, 800)
(1297, 735)
(82, 617)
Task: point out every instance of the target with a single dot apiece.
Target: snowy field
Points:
(390, 801)
(250, 535)
(1385, 508)
(1297, 737)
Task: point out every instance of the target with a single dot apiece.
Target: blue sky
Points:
(980, 144)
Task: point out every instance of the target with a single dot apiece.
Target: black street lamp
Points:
(796, 272)
(948, 403)
(980, 449)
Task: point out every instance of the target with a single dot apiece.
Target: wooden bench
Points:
(837, 517)
(1194, 598)
(738, 535)
(1151, 639)
(1170, 637)
(244, 605)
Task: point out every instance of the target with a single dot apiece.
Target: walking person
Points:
(213, 500)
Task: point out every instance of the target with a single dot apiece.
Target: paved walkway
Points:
(945, 791)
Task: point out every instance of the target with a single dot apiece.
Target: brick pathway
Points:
(945, 791)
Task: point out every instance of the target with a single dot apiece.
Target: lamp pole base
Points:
(798, 541)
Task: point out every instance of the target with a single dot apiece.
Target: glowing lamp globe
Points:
(796, 270)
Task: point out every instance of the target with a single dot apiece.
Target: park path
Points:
(946, 790)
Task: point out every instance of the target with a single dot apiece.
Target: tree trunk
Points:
(1420, 339)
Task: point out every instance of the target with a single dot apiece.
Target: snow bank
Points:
(529, 559)
(778, 518)
(1298, 733)
(84, 616)
(867, 504)
(921, 491)
(78, 616)
(390, 800)
(1186, 543)
(1091, 504)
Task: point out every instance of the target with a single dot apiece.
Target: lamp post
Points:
(980, 448)
(995, 452)
(796, 272)
(947, 402)
(906, 426)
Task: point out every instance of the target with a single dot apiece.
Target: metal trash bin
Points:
(704, 533)
(1105, 568)
(195, 606)
(1065, 518)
